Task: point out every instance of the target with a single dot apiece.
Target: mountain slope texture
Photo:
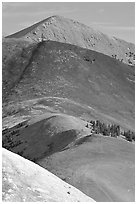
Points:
(61, 29)
(54, 69)
(101, 167)
(59, 77)
(24, 181)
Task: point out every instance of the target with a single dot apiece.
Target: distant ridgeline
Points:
(110, 130)
(130, 56)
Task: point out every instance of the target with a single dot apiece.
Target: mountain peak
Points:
(61, 29)
(53, 18)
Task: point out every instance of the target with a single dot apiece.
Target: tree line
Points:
(112, 130)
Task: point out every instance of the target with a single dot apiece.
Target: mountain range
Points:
(58, 75)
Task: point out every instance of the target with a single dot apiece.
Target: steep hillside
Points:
(57, 76)
(53, 69)
(24, 181)
(14, 61)
(43, 135)
(101, 167)
(61, 29)
(50, 90)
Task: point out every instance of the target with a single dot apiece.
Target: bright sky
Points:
(115, 19)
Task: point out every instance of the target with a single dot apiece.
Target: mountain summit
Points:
(57, 28)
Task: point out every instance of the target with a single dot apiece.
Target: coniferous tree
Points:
(110, 130)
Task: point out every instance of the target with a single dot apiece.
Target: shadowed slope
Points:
(24, 181)
(44, 135)
(65, 30)
(101, 167)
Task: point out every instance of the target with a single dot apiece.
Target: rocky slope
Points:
(24, 181)
(61, 29)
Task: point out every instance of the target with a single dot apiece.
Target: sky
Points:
(112, 18)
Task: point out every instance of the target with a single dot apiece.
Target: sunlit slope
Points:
(101, 167)
(24, 181)
(65, 30)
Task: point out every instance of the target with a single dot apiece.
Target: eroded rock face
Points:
(24, 181)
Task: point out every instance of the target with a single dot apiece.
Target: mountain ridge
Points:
(64, 70)
(63, 83)
(51, 18)
(58, 28)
